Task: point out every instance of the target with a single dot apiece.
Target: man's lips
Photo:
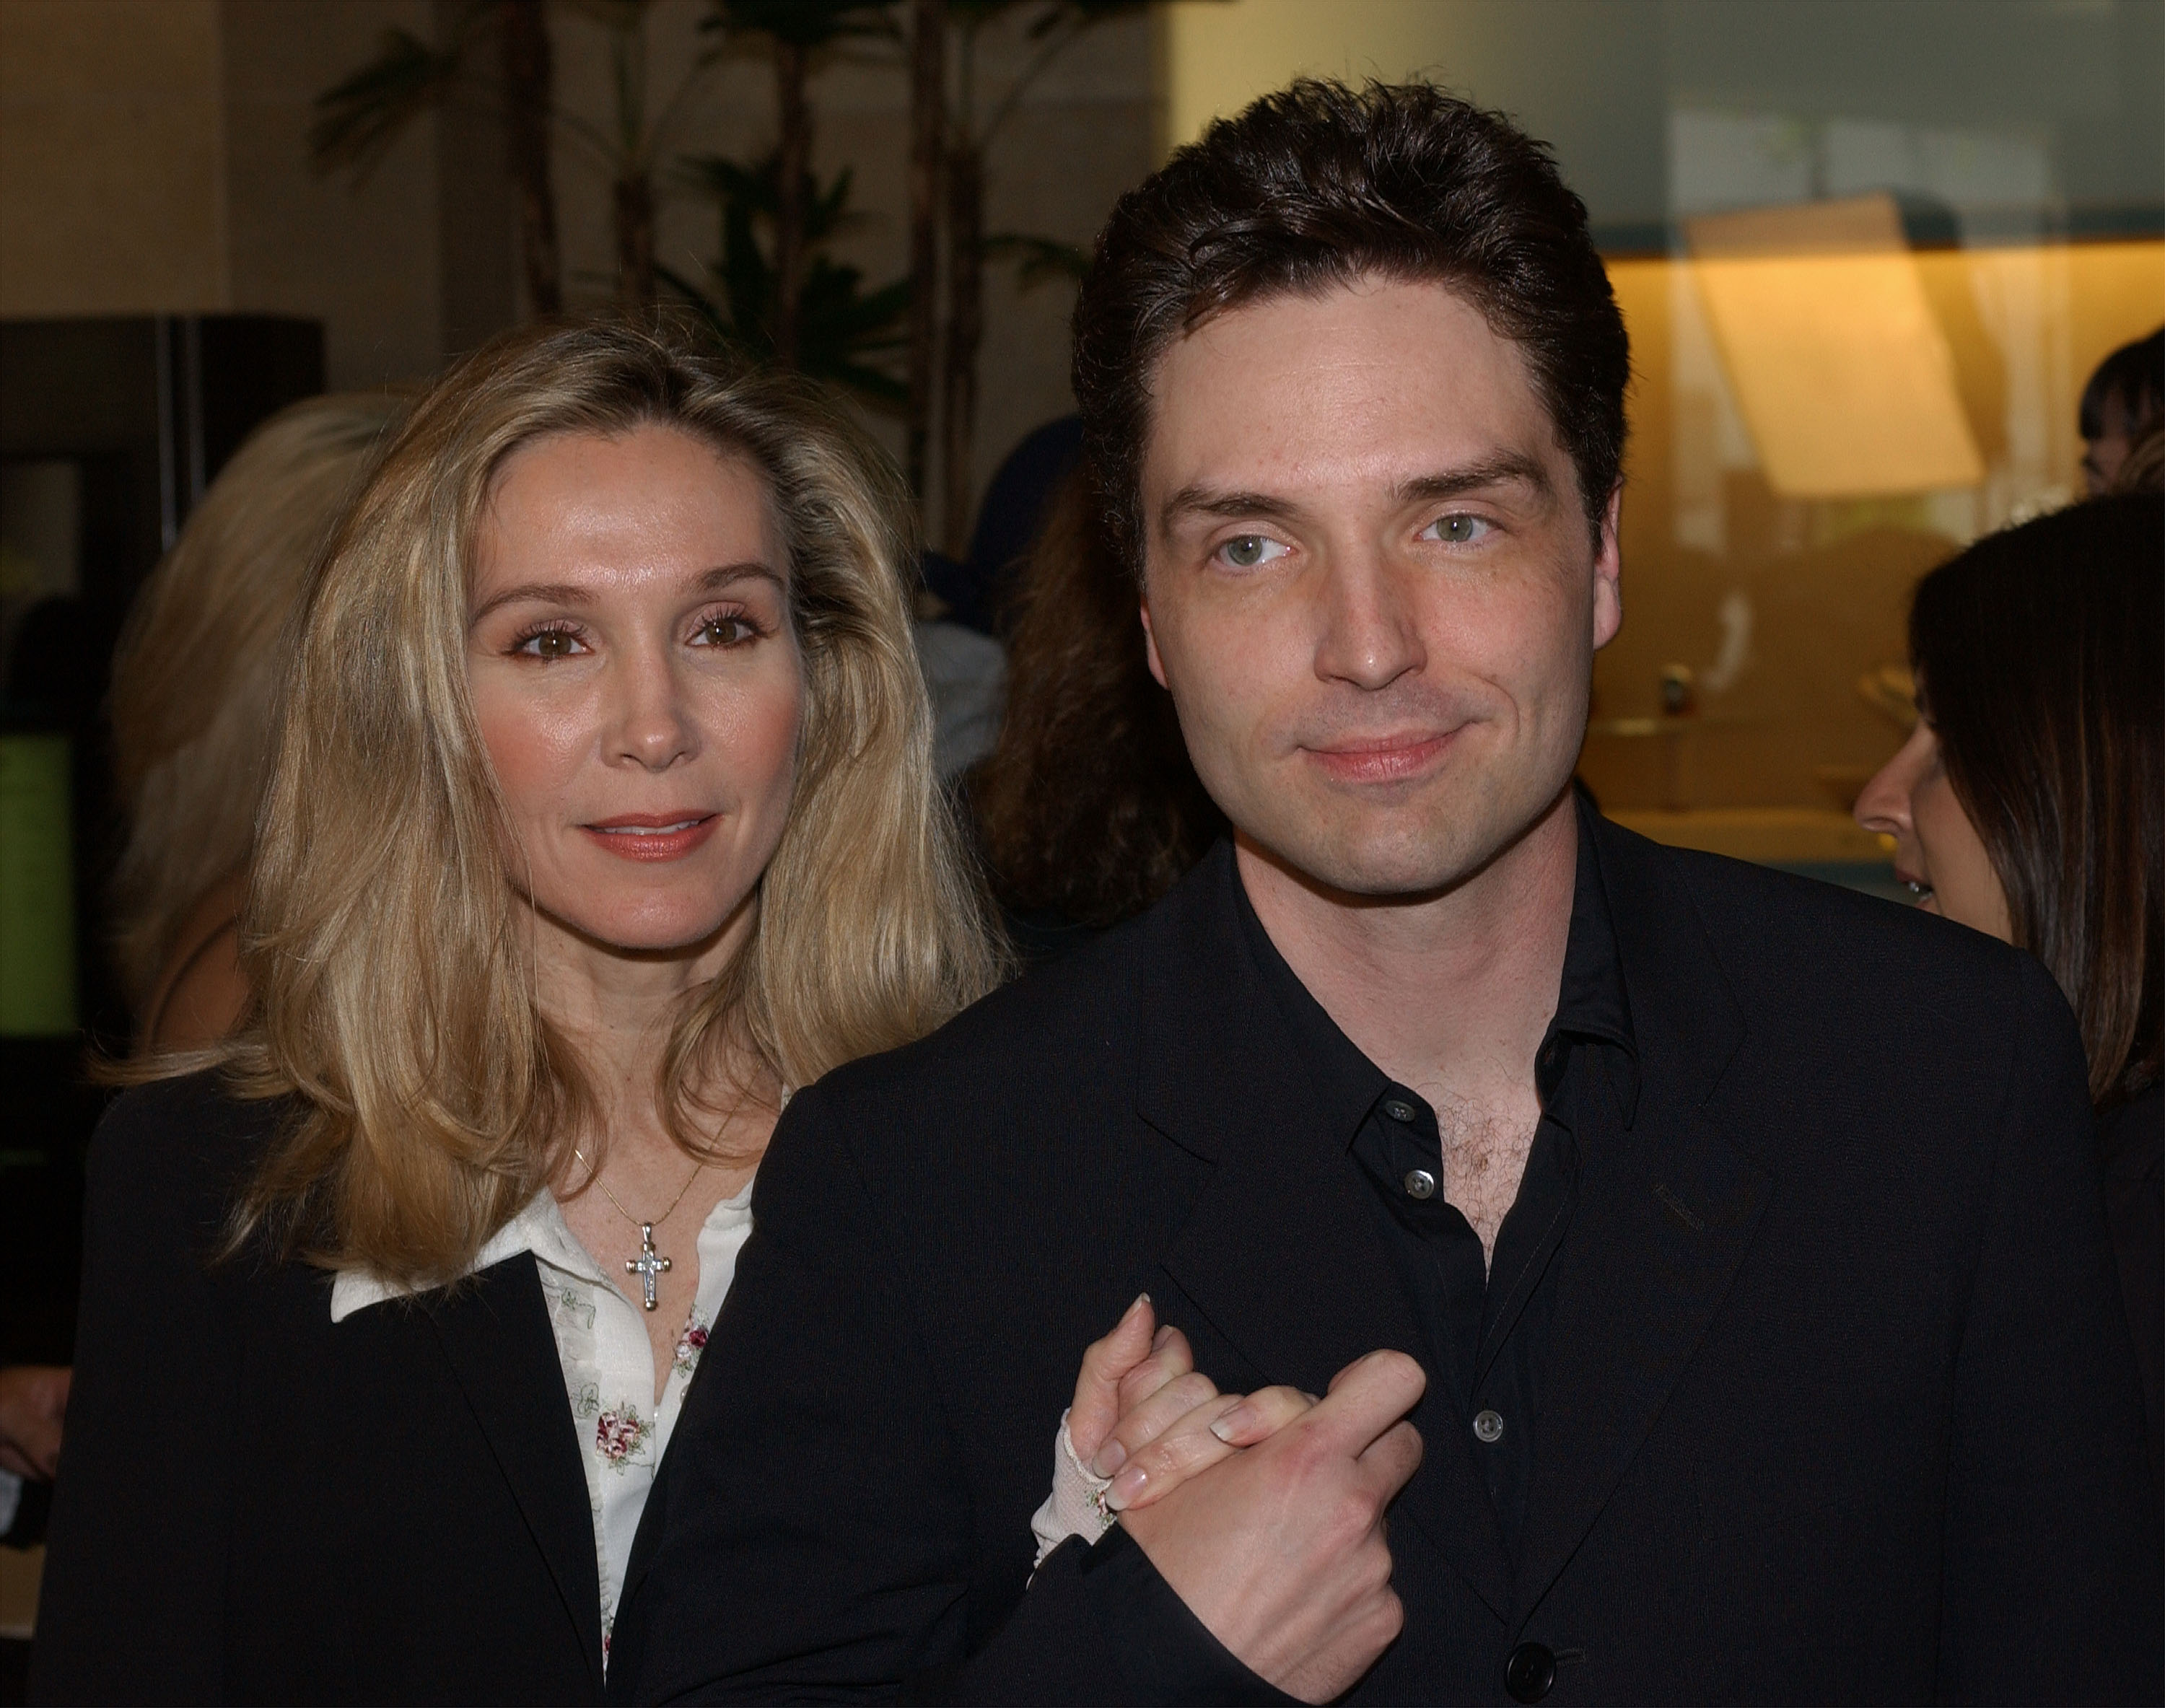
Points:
(1382, 758)
(653, 835)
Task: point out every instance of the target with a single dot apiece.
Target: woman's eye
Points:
(1246, 551)
(725, 631)
(549, 643)
(1460, 529)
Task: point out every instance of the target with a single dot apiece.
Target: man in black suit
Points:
(1728, 1246)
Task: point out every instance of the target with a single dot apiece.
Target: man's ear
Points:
(1608, 573)
(1150, 646)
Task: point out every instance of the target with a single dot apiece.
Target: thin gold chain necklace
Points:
(649, 1265)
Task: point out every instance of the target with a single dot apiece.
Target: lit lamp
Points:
(1841, 373)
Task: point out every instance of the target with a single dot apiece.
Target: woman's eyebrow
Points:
(541, 592)
(560, 593)
(728, 573)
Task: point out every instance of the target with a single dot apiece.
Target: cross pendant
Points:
(649, 1263)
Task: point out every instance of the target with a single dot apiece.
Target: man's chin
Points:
(1385, 863)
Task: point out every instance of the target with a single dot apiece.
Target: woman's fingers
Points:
(1170, 1357)
(1199, 1438)
(1098, 1403)
(1143, 1424)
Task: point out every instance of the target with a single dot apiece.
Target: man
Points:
(1726, 1248)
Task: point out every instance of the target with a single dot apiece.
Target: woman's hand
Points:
(1144, 1415)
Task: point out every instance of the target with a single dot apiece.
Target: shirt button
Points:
(1398, 1109)
(1419, 1183)
(1488, 1426)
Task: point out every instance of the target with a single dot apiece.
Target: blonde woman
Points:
(601, 816)
(193, 680)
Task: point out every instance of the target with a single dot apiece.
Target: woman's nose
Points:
(1884, 804)
(650, 726)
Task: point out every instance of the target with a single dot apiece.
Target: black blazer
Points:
(1838, 1406)
(256, 1506)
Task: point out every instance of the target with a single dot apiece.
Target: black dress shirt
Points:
(1487, 1325)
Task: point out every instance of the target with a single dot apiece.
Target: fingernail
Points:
(1110, 1457)
(1142, 1299)
(1125, 1487)
(1159, 1339)
(1238, 1422)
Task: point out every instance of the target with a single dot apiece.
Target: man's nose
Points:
(1369, 636)
(649, 722)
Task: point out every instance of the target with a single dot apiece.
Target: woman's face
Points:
(637, 681)
(1937, 851)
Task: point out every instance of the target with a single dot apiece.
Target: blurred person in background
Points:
(2030, 803)
(2124, 396)
(601, 816)
(193, 681)
(1087, 809)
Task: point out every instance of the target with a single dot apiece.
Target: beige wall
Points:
(154, 159)
(112, 157)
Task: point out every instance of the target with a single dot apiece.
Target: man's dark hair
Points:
(1319, 185)
(2134, 376)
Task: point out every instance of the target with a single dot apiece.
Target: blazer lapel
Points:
(495, 1330)
(1663, 1221)
(1281, 1252)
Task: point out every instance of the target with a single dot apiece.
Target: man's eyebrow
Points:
(1504, 468)
(569, 594)
(1196, 499)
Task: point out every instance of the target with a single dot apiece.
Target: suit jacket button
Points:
(1529, 1672)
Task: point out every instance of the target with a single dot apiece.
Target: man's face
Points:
(1369, 583)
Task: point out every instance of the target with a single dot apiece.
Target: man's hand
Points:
(33, 1399)
(1281, 1550)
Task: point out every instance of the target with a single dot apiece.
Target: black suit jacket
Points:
(1840, 1404)
(254, 1504)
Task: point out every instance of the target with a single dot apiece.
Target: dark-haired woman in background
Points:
(2030, 803)
(1087, 809)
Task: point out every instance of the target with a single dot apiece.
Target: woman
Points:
(193, 679)
(2030, 803)
(601, 816)
(1088, 807)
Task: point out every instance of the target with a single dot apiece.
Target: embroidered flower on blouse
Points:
(620, 1434)
(690, 1344)
(587, 1401)
(573, 1303)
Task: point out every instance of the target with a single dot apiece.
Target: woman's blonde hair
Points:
(392, 956)
(196, 670)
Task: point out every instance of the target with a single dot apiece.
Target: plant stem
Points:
(528, 80)
(790, 66)
(966, 220)
(928, 120)
(633, 209)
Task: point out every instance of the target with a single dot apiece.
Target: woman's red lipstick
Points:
(653, 835)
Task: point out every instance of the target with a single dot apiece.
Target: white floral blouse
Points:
(609, 1363)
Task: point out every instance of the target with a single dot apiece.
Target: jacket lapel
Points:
(1663, 1221)
(495, 1332)
(1281, 1252)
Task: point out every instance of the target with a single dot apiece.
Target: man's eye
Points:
(1460, 529)
(1246, 551)
(725, 631)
